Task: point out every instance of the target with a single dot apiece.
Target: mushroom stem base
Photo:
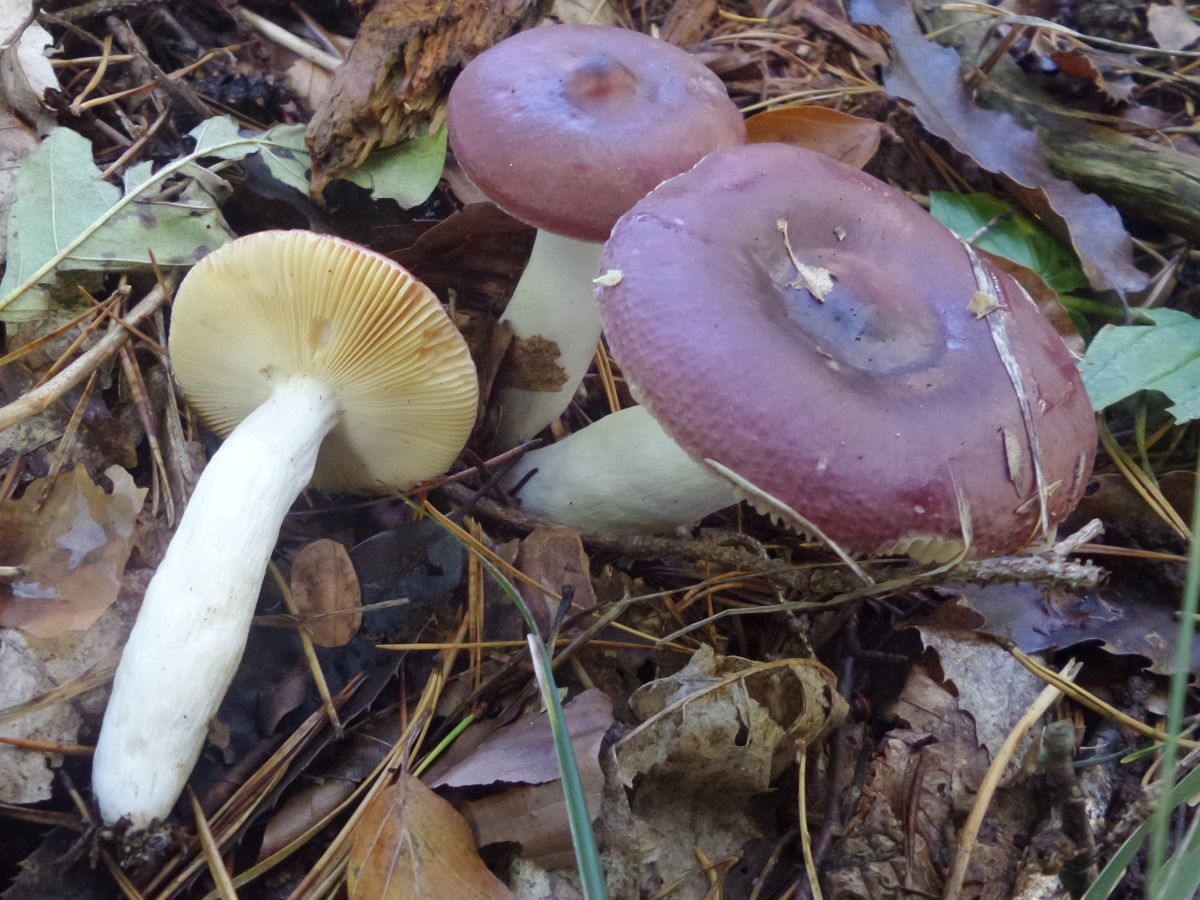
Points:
(195, 617)
(620, 474)
(556, 300)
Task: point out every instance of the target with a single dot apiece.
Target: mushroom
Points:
(565, 127)
(811, 339)
(320, 360)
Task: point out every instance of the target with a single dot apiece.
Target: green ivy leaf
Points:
(1165, 356)
(1010, 233)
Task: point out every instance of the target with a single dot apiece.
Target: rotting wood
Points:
(390, 86)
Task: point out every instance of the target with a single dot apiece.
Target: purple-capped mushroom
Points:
(802, 335)
(566, 127)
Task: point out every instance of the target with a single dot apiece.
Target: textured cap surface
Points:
(276, 304)
(567, 126)
(862, 412)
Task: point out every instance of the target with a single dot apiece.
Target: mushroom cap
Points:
(567, 126)
(277, 304)
(868, 414)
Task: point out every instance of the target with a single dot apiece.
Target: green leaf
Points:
(220, 137)
(406, 173)
(60, 198)
(286, 156)
(1165, 356)
(1011, 234)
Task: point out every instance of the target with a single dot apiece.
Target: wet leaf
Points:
(73, 551)
(410, 843)
(994, 225)
(325, 586)
(928, 77)
(728, 721)
(849, 139)
(1164, 356)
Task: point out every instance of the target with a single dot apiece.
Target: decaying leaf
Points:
(928, 77)
(325, 586)
(411, 843)
(25, 70)
(919, 787)
(1171, 26)
(530, 810)
(26, 777)
(991, 685)
(1165, 356)
(72, 551)
(849, 139)
(1044, 297)
(729, 721)
(389, 87)
(554, 557)
(532, 365)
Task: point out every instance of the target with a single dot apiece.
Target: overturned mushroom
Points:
(320, 360)
(817, 343)
(565, 127)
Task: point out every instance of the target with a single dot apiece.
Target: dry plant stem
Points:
(817, 581)
(970, 831)
(810, 863)
(1057, 761)
(289, 41)
(43, 397)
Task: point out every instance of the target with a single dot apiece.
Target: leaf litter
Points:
(688, 748)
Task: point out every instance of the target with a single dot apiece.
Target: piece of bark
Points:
(391, 86)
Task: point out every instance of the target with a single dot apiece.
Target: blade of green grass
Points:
(1179, 686)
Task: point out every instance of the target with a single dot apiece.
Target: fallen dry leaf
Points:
(533, 813)
(325, 586)
(1171, 26)
(928, 77)
(411, 844)
(72, 550)
(846, 138)
(25, 70)
(919, 787)
(992, 686)
(727, 721)
(554, 557)
(390, 85)
(26, 777)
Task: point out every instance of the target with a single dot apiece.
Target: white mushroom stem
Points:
(194, 620)
(621, 474)
(556, 299)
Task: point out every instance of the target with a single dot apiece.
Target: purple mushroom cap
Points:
(874, 412)
(567, 126)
